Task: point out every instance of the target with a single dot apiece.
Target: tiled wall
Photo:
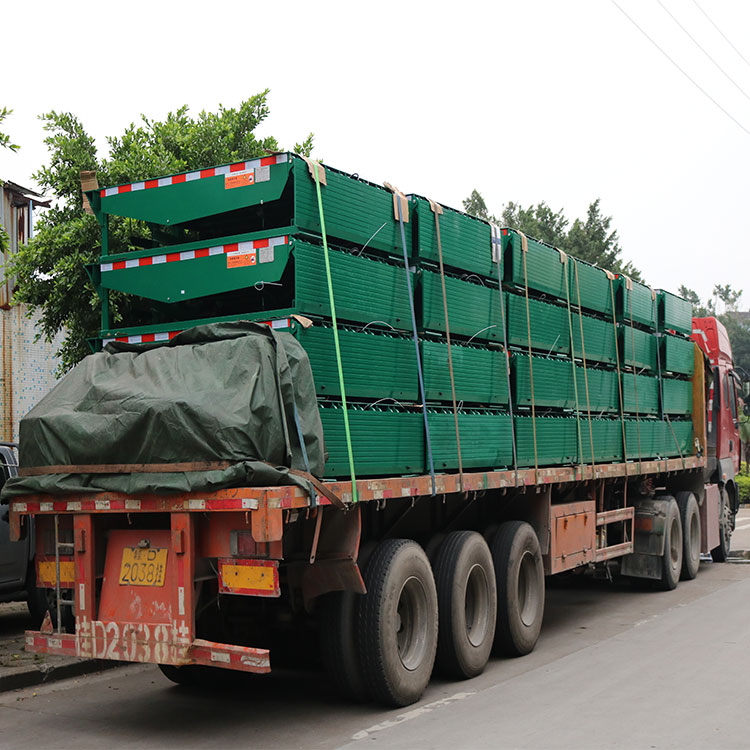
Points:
(28, 368)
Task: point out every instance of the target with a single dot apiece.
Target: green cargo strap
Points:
(497, 257)
(401, 207)
(629, 288)
(564, 261)
(524, 253)
(317, 170)
(676, 442)
(611, 278)
(658, 356)
(585, 367)
(437, 210)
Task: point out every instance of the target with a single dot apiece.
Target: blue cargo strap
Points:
(497, 257)
(401, 212)
(318, 174)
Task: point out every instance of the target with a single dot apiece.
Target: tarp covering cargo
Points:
(237, 399)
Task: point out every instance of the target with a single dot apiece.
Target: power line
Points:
(697, 85)
(721, 32)
(704, 51)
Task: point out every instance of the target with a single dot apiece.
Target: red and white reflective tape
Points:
(243, 166)
(148, 338)
(233, 247)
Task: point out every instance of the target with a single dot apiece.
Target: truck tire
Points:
(467, 604)
(398, 623)
(671, 560)
(520, 588)
(721, 553)
(691, 535)
(338, 644)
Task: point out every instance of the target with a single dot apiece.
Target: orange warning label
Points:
(238, 179)
(237, 260)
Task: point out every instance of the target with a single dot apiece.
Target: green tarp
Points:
(236, 392)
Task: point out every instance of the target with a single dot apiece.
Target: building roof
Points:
(27, 193)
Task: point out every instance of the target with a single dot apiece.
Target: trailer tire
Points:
(691, 535)
(191, 675)
(721, 552)
(433, 546)
(338, 644)
(671, 559)
(398, 623)
(467, 604)
(520, 588)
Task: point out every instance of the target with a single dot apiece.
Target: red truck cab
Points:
(722, 419)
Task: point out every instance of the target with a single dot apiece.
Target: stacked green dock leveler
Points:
(458, 344)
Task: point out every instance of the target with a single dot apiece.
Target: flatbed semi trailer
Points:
(397, 574)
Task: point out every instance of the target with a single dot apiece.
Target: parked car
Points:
(17, 569)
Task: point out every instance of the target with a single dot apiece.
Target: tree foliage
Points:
(591, 239)
(51, 268)
(5, 139)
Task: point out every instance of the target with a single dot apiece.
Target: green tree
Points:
(51, 268)
(591, 239)
(5, 139)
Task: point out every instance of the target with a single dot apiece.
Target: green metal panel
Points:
(637, 303)
(384, 442)
(678, 396)
(544, 270)
(603, 393)
(479, 373)
(550, 330)
(590, 286)
(553, 382)
(640, 394)
(182, 272)
(473, 309)
(606, 435)
(465, 241)
(556, 441)
(678, 355)
(638, 348)
(679, 438)
(486, 440)
(675, 313)
(365, 289)
(659, 439)
(190, 199)
(355, 210)
(375, 365)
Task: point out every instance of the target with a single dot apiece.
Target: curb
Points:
(36, 676)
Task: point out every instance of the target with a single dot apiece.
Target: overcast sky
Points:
(529, 100)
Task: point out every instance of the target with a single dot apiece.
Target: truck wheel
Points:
(398, 623)
(721, 553)
(691, 535)
(189, 675)
(338, 645)
(467, 604)
(671, 560)
(520, 588)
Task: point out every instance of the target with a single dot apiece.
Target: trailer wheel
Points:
(338, 644)
(467, 604)
(671, 561)
(190, 675)
(398, 623)
(721, 553)
(691, 535)
(520, 588)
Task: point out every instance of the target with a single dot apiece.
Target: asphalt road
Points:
(615, 667)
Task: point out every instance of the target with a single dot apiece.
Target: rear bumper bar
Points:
(139, 643)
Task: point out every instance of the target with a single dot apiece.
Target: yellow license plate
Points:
(143, 567)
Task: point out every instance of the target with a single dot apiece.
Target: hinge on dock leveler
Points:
(59, 601)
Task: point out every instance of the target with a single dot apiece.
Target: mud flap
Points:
(648, 542)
